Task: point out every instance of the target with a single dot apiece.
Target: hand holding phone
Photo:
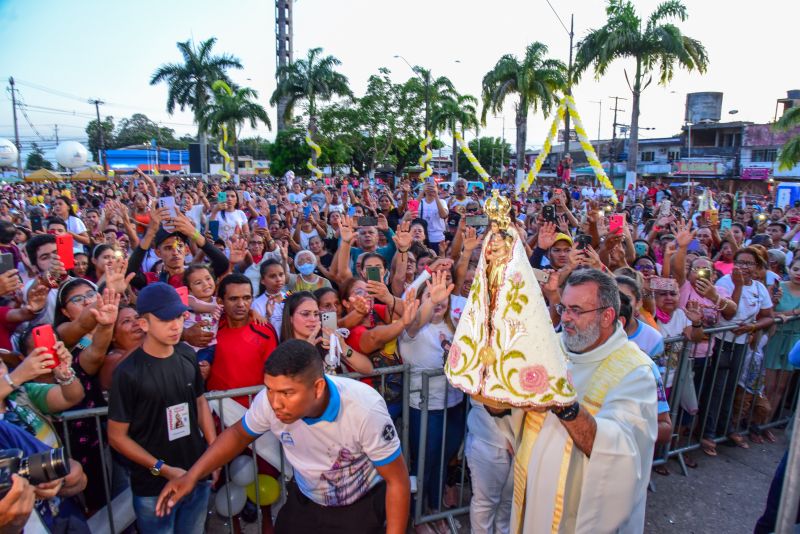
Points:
(64, 250)
(44, 337)
(616, 223)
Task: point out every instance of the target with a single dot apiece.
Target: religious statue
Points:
(505, 351)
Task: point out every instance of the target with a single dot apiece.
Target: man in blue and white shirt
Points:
(339, 438)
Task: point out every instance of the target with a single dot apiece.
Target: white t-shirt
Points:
(296, 198)
(196, 215)
(229, 222)
(424, 352)
(755, 297)
(430, 214)
(76, 226)
(276, 319)
(675, 327)
(334, 456)
(306, 237)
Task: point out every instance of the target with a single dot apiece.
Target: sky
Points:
(86, 49)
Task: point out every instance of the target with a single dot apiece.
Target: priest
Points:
(585, 467)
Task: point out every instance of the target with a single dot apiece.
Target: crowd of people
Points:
(178, 286)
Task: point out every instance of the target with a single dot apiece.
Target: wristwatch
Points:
(156, 469)
(567, 413)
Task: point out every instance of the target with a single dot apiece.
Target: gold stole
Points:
(608, 374)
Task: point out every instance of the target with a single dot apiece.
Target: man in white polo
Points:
(349, 472)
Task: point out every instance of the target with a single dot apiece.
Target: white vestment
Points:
(607, 492)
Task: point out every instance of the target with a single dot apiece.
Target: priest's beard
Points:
(581, 339)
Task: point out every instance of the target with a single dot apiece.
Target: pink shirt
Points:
(723, 267)
(710, 313)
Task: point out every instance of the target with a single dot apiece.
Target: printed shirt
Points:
(335, 455)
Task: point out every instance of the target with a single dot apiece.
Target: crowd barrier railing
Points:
(118, 513)
(710, 377)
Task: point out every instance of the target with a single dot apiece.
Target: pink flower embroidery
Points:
(534, 379)
(516, 278)
(454, 356)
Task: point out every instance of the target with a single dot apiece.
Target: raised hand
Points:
(402, 238)
(685, 233)
(38, 363)
(37, 296)
(106, 307)
(10, 282)
(346, 229)
(439, 289)
(471, 240)
(238, 249)
(383, 223)
(360, 304)
(116, 279)
(547, 236)
(63, 370)
(693, 311)
(411, 305)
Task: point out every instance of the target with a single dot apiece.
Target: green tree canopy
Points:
(36, 159)
(655, 44)
(535, 81)
(93, 135)
(789, 155)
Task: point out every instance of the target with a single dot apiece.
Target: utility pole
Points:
(56, 128)
(613, 152)
(569, 83)
(101, 152)
(16, 128)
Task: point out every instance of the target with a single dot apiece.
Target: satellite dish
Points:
(8, 153)
(71, 154)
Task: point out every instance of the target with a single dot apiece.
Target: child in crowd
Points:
(203, 308)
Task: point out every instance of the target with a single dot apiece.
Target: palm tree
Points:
(789, 155)
(536, 81)
(232, 107)
(430, 90)
(311, 79)
(190, 82)
(455, 113)
(655, 45)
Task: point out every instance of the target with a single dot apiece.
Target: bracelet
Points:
(66, 381)
(10, 382)
(697, 325)
(196, 236)
(402, 251)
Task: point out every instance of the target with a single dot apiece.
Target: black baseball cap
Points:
(161, 300)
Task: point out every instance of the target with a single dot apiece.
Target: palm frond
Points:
(789, 155)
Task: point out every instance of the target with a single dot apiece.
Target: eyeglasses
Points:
(574, 310)
(645, 267)
(80, 299)
(745, 263)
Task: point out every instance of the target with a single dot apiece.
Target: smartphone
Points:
(64, 250)
(329, 320)
(413, 204)
(704, 273)
(273, 209)
(776, 287)
(549, 213)
(477, 220)
(213, 227)
(246, 195)
(663, 284)
(713, 217)
(373, 274)
(222, 196)
(43, 336)
(6, 262)
(541, 276)
(640, 248)
(183, 293)
(615, 223)
(307, 211)
(725, 224)
(36, 223)
(367, 221)
(583, 241)
(694, 245)
(351, 211)
(261, 221)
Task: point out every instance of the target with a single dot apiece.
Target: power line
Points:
(559, 18)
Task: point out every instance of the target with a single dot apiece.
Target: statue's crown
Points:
(498, 209)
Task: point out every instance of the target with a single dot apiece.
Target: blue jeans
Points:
(431, 484)
(188, 516)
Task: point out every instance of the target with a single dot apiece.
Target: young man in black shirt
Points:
(158, 417)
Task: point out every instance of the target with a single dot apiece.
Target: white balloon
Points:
(8, 153)
(237, 496)
(242, 471)
(71, 154)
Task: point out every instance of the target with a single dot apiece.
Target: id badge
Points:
(178, 425)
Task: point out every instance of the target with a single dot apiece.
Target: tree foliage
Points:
(655, 44)
(36, 159)
(489, 151)
(789, 155)
(534, 80)
(139, 129)
(93, 135)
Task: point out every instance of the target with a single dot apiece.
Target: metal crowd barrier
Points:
(717, 388)
(119, 509)
(701, 373)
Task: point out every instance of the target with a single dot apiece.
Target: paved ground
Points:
(725, 494)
